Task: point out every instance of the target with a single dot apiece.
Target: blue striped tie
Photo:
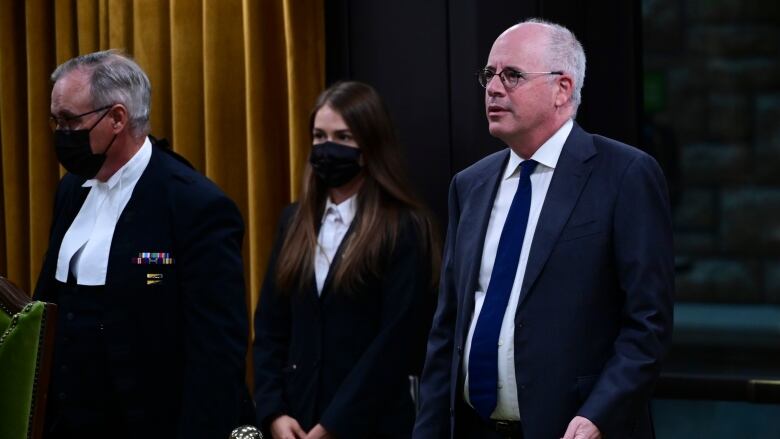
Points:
(483, 356)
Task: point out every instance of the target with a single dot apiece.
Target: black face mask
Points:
(75, 153)
(335, 164)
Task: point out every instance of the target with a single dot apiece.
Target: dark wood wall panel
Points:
(422, 55)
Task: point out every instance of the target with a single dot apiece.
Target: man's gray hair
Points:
(565, 53)
(114, 79)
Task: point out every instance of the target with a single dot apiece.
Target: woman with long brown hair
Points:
(348, 295)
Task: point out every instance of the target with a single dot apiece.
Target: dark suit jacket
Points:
(177, 348)
(343, 359)
(595, 314)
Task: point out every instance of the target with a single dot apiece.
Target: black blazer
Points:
(176, 348)
(343, 359)
(594, 319)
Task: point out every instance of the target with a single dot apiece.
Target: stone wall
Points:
(719, 64)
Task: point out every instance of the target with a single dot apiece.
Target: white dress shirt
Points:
(86, 245)
(547, 156)
(335, 223)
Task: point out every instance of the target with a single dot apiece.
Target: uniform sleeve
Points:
(215, 321)
(272, 339)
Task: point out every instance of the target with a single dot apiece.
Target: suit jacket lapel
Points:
(71, 205)
(147, 196)
(334, 263)
(474, 224)
(71, 210)
(571, 173)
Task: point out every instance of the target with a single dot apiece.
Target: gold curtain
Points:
(232, 85)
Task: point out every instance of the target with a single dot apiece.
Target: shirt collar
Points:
(345, 210)
(129, 172)
(546, 155)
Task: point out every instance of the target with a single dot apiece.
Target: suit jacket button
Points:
(452, 411)
(460, 350)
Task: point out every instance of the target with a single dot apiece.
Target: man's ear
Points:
(119, 117)
(564, 91)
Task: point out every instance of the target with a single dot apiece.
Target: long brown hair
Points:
(383, 196)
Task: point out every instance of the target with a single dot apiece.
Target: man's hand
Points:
(319, 432)
(581, 428)
(285, 427)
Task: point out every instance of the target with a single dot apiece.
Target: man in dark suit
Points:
(144, 261)
(555, 305)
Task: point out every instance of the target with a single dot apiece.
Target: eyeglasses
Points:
(511, 78)
(69, 122)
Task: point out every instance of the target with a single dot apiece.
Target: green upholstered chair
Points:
(26, 346)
